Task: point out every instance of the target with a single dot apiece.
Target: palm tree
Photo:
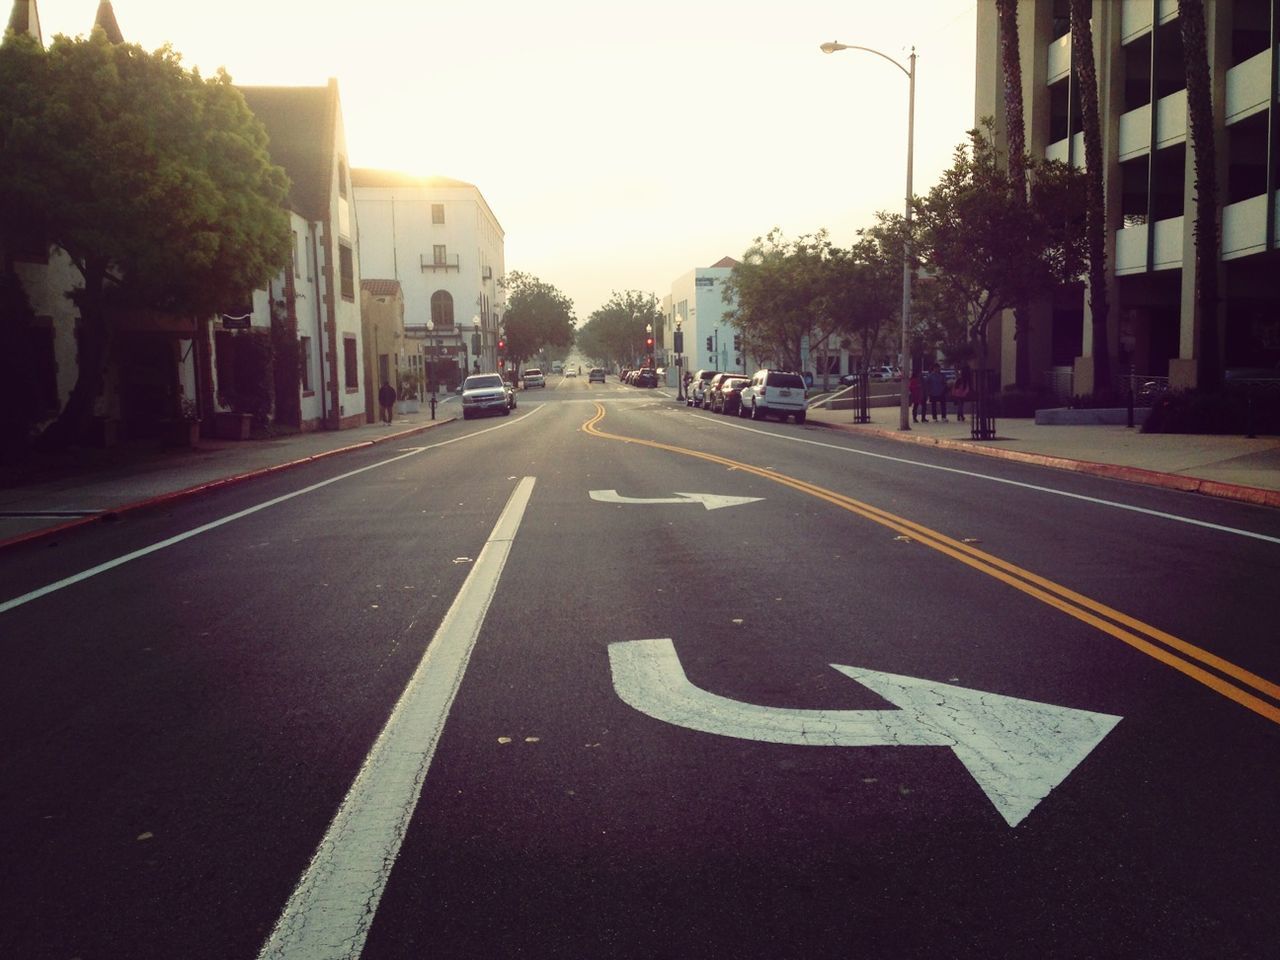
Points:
(1200, 118)
(1096, 211)
(1015, 128)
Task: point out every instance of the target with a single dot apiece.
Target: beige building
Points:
(387, 356)
(1149, 180)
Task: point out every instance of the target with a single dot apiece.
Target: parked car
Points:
(882, 374)
(595, 374)
(485, 393)
(697, 387)
(726, 395)
(533, 378)
(777, 393)
(645, 377)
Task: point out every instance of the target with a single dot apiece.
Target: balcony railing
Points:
(434, 265)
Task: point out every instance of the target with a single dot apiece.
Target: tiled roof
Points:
(364, 177)
(381, 288)
(106, 19)
(725, 262)
(300, 122)
(25, 18)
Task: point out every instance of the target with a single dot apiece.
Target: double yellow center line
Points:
(1231, 681)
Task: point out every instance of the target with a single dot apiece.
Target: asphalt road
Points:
(400, 704)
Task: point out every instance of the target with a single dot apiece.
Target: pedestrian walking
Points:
(386, 400)
(961, 389)
(936, 388)
(915, 388)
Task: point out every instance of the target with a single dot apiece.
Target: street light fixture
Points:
(832, 47)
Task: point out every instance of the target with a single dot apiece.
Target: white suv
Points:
(533, 378)
(773, 392)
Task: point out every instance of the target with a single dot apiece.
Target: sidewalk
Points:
(56, 493)
(1236, 468)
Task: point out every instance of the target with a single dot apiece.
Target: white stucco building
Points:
(440, 240)
(696, 305)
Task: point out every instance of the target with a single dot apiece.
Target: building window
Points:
(297, 268)
(439, 255)
(351, 363)
(442, 308)
(384, 368)
(342, 178)
(347, 264)
(310, 271)
(437, 213)
(304, 363)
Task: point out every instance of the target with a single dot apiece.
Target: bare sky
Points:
(620, 146)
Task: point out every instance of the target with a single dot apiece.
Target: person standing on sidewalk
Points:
(915, 387)
(961, 388)
(936, 388)
(386, 400)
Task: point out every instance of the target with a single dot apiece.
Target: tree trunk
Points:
(1015, 128)
(1200, 119)
(72, 425)
(1096, 209)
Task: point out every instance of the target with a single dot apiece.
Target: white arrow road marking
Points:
(709, 500)
(1017, 750)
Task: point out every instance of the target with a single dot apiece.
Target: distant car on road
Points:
(533, 378)
(486, 393)
(595, 374)
(570, 372)
(645, 377)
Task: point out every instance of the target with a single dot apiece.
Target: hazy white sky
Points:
(620, 146)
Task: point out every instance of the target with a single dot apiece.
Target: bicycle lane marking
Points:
(1013, 483)
(109, 565)
(333, 905)
(1143, 637)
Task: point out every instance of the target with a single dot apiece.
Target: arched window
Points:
(442, 308)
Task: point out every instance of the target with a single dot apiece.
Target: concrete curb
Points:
(1153, 478)
(212, 485)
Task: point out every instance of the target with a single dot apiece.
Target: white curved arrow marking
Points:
(709, 500)
(1017, 750)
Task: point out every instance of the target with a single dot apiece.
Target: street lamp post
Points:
(832, 47)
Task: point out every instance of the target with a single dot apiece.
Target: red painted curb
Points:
(213, 485)
(1258, 496)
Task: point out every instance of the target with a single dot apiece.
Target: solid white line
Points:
(333, 905)
(213, 525)
(1012, 483)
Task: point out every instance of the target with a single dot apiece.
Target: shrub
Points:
(1015, 402)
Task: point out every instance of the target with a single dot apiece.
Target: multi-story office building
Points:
(440, 240)
(1149, 179)
(696, 307)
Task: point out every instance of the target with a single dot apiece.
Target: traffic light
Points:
(648, 342)
(502, 364)
(737, 343)
(502, 345)
(709, 346)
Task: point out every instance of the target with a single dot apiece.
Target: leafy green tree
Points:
(537, 315)
(156, 183)
(778, 297)
(989, 249)
(862, 289)
(615, 333)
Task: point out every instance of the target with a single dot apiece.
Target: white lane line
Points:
(333, 905)
(83, 575)
(1012, 483)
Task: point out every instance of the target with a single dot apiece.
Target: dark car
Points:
(645, 377)
(597, 373)
(726, 395)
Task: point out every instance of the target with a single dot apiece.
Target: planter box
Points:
(232, 426)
